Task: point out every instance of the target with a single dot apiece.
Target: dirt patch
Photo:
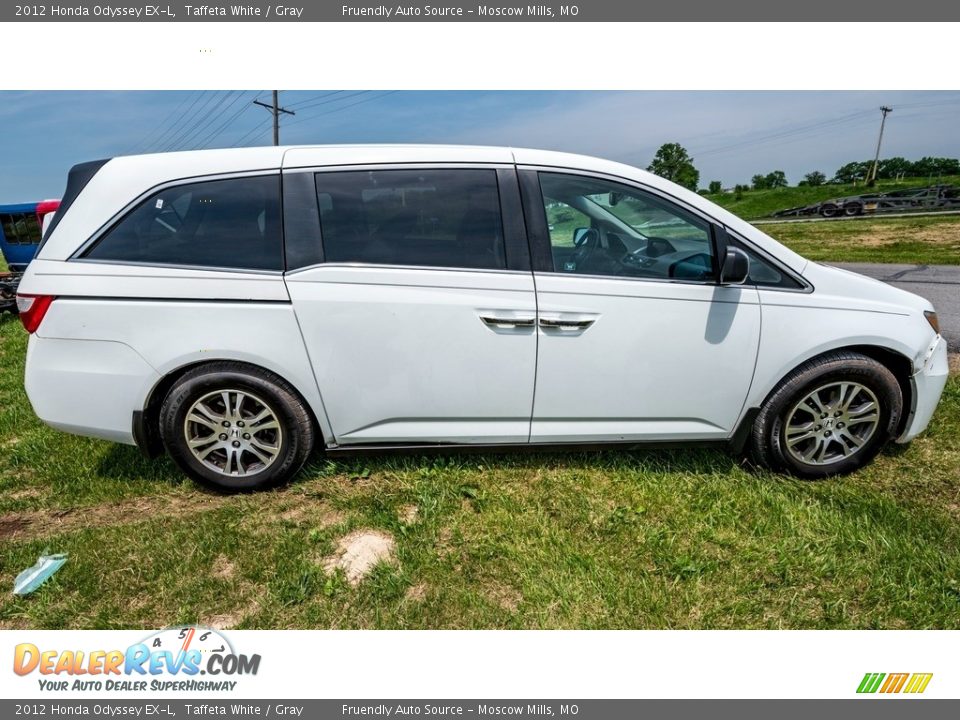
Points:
(358, 553)
(223, 568)
(409, 514)
(317, 515)
(953, 359)
(504, 596)
(40, 523)
(416, 593)
(229, 620)
(12, 525)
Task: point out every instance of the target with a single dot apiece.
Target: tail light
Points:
(32, 308)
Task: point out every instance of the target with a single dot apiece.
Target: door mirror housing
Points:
(735, 267)
(581, 235)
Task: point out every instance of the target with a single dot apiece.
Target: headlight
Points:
(931, 317)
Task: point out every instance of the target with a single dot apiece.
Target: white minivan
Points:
(240, 308)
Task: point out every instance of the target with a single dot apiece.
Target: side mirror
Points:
(580, 236)
(735, 267)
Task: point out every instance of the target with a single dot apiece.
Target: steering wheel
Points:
(586, 245)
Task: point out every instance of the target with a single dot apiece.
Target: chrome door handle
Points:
(507, 322)
(565, 324)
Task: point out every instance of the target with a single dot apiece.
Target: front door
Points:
(636, 340)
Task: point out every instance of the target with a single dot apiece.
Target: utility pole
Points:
(275, 110)
(876, 160)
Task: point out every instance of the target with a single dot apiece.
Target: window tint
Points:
(231, 223)
(433, 218)
(766, 274)
(20, 228)
(599, 227)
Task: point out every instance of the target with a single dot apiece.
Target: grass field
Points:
(918, 240)
(755, 204)
(685, 539)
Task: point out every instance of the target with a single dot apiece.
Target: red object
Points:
(32, 308)
(46, 206)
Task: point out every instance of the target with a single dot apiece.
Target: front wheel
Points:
(830, 416)
(236, 427)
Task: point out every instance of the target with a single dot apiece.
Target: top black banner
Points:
(850, 11)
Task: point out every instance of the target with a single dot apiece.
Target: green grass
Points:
(684, 539)
(756, 204)
(919, 240)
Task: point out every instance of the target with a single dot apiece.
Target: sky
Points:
(731, 135)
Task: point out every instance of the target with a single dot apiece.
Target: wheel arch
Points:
(146, 421)
(897, 363)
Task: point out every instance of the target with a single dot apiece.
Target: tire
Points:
(258, 442)
(852, 209)
(792, 434)
(829, 210)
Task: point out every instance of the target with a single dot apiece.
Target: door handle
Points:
(558, 324)
(507, 322)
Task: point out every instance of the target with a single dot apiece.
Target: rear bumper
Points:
(928, 384)
(87, 387)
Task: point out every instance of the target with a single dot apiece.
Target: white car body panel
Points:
(403, 355)
(153, 338)
(661, 361)
(389, 354)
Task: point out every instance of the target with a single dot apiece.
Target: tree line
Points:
(673, 162)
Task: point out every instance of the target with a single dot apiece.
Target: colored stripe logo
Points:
(913, 683)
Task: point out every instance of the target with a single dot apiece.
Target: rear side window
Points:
(431, 218)
(232, 223)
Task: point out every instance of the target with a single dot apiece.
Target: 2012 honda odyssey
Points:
(238, 308)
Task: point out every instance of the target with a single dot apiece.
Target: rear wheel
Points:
(829, 210)
(236, 427)
(852, 209)
(830, 416)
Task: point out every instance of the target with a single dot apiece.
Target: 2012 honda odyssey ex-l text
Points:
(238, 308)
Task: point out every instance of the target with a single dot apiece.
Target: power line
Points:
(256, 130)
(177, 123)
(334, 100)
(173, 113)
(206, 142)
(788, 132)
(205, 120)
(215, 114)
(315, 97)
(345, 107)
(197, 116)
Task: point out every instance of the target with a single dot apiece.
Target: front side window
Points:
(598, 227)
(232, 223)
(428, 218)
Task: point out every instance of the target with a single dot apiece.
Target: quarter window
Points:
(598, 227)
(232, 223)
(431, 218)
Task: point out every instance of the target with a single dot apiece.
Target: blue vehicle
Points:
(21, 227)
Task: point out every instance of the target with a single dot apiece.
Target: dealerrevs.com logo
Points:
(180, 659)
(911, 683)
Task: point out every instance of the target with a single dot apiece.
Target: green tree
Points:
(674, 163)
(777, 179)
(760, 182)
(815, 178)
(852, 171)
(715, 187)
